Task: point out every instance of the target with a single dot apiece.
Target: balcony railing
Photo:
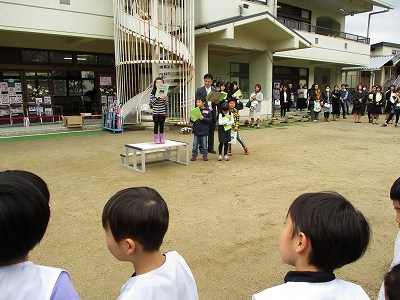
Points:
(301, 26)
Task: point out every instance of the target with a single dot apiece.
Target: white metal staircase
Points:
(154, 38)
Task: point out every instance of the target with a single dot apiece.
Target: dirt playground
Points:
(225, 217)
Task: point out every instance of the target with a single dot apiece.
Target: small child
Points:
(24, 215)
(200, 131)
(235, 127)
(159, 106)
(135, 221)
(395, 197)
(225, 121)
(323, 232)
(392, 284)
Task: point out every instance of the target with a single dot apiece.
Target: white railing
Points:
(150, 35)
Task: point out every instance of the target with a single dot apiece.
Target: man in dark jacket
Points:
(201, 94)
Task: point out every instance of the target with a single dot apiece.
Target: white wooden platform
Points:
(139, 154)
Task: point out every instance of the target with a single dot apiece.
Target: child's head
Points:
(139, 214)
(232, 103)
(225, 108)
(395, 196)
(325, 227)
(392, 284)
(200, 102)
(24, 214)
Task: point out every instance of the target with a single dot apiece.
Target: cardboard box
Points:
(73, 121)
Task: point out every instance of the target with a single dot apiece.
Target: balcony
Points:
(301, 26)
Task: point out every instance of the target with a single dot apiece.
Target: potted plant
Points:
(275, 120)
(246, 123)
(290, 119)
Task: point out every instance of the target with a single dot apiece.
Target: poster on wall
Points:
(47, 100)
(18, 99)
(16, 110)
(39, 110)
(11, 91)
(5, 99)
(13, 99)
(4, 112)
(48, 111)
(18, 87)
(38, 101)
(105, 81)
(103, 99)
(32, 108)
(3, 86)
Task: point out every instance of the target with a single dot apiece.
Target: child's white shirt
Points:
(396, 261)
(332, 290)
(173, 280)
(228, 122)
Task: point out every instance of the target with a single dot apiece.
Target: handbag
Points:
(239, 105)
(317, 106)
(233, 137)
(248, 104)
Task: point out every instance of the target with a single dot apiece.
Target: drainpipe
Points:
(374, 13)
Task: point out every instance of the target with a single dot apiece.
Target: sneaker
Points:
(344, 117)
(396, 126)
(205, 158)
(384, 125)
(246, 151)
(219, 157)
(230, 152)
(226, 157)
(193, 158)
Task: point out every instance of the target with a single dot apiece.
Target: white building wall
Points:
(331, 50)
(210, 10)
(88, 18)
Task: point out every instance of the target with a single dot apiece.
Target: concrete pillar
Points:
(311, 78)
(260, 70)
(201, 62)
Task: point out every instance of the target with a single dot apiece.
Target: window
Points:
(35, 56)
(395, 52)
(86, 59)
(66, 2)
(60, 57)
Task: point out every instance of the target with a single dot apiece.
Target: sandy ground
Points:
(225, 217)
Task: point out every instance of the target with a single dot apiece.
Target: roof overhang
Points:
(263, 28)
(376, 63)
(380, 4)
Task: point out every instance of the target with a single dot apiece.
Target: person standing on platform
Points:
(159, 105)
(201, 94)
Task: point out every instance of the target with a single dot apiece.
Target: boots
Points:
(162, 138)
(156, 138)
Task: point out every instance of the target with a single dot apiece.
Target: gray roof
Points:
(376, 63)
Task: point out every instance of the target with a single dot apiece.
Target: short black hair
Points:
(139, 213)
(208, 76)
(224, 107)
(395, 190)
(392, 283)
(24, 214)
(339, 234)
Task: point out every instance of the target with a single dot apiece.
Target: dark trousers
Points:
(397, 113)
(211, 130)
(326, 115)
(347, 107)
(159, 123)
(343, 106)
(225, 148)
(283, 110)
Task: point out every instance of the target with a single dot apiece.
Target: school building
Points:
(70, 56)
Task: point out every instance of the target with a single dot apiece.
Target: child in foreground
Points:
(24, 215)
(135, 221)
(392, 284)
(323, 232)
(395, 197)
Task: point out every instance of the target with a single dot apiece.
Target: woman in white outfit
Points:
(255, 108)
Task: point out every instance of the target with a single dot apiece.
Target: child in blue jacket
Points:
(200, 131)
